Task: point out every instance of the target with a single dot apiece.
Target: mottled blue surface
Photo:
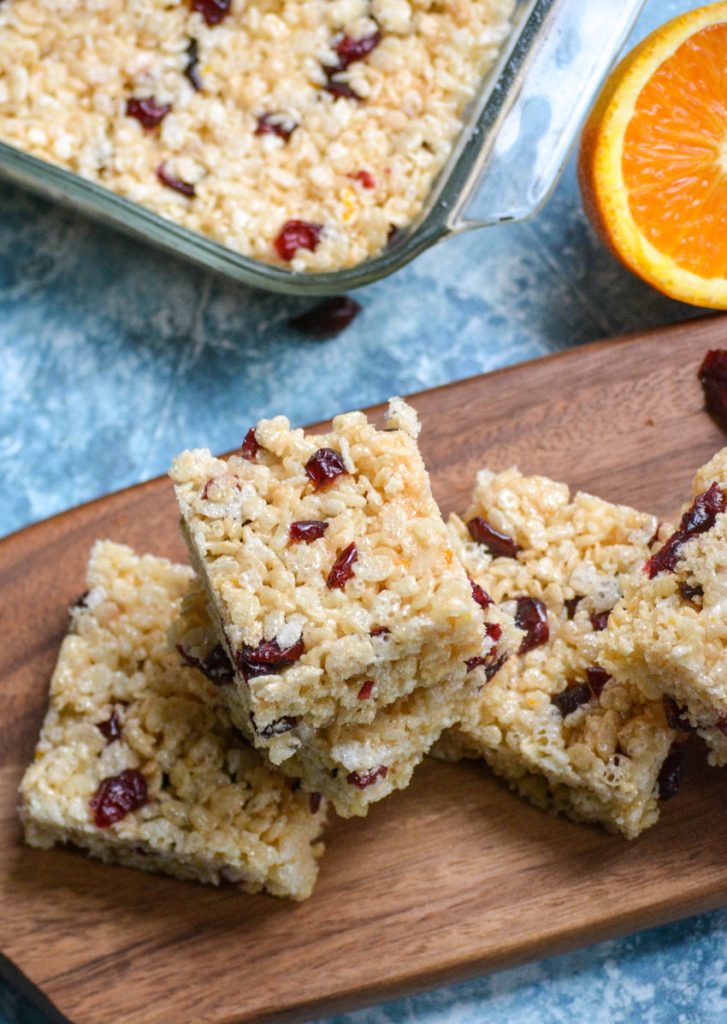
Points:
(113, 357)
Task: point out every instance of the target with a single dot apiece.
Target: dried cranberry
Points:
(713, 377)
(363, 779)
(493, 630)
(268, 657)
(379, 631)
(117, 796)
(599, 620)
(670, 776)
(365, 178)
(147, 111)
(496, 543)
(213, 11)
(691, 592)
(532, 617)
(676, 717)
(699, 518)
(480, 595)
(215, 665)
(493, 665)
(572, 604)
(276, 728)
(314, 802)
(168, 179)
(324, 466)
(111, 728)
(597, 679)
(568, 700)
(328, 318)
(366, 690)
(349, 50)
(250, 446)
(341, 90)
(275, 124)
(307, 530)
(191, 71)
(473, 663)
(342, 569)
(297, 234)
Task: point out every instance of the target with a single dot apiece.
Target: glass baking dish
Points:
(515, 138)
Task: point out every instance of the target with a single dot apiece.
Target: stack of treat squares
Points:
(333, 630)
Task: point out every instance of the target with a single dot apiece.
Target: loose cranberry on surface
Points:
(349, 50)
(297, 234)
(268, 657)
(275, 124)
(599, 620)
(713, 377)
(185, 188)
(213, 11)
(215, 665)
(328, 318)
(117, 796)
(532, 617)
(366, 690)
(250, 446)
(670, 776)
(307, 530)
(341, 90)
(276, 728)
(363, 779)
(342, 569)
(314, 802)
(498, 544)
(597, 679)
(111, 728)
(480, 595)
(570, 699)
(324, 466)
(698, 519)
(191, 70)
(493, 630)
(676, 717)
(147, 112)
(365, 179)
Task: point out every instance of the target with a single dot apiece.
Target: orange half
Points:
(653, 159)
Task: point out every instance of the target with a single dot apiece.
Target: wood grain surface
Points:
(452, 878)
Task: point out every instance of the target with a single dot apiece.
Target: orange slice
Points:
(653, 160)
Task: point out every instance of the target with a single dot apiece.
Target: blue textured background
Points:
(113, 357)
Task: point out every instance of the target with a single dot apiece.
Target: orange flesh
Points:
(675, 155)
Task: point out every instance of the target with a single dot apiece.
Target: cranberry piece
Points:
(365, 178)
(599, 620)
(481, 596)
(341, 90)
(307, 530)
(213, 11)
(275, 124)
(268, 657)
(363, 779)
(676, 717)
(493, 665)
(168, 179)
(571, 605)
(215, 665)
(328, 318)
(713, 377)
(111, 728)
(366, 690)
(349, 50)
(473, 663)
(314, 802)
(670, 776)
(568, 700)
(532, 617)
(379, 631)
(147, 111)
(699, 518)
(276, 728)
(250, 446)
(597, 679)
(324, 466)
(117, 796)
(496, 543)
(493, 630)
(191, 69)
(297, 234)
(691, 592)
(342, 569)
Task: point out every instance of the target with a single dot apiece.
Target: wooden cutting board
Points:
(450, 879)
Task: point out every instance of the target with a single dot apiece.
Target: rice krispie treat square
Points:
(137, 765)
(551, 721)
(353, 764)
(330, 572)
(669, 633)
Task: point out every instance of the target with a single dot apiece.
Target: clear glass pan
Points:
(515, 139)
